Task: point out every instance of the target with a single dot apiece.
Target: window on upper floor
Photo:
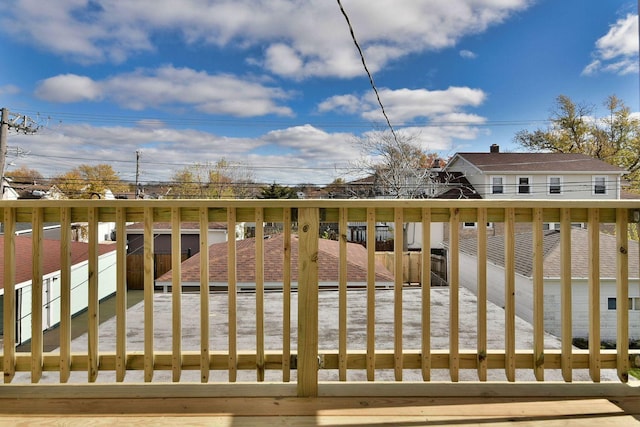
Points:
(524, 185)
(555, 185)
(497, 185)
(599, 185)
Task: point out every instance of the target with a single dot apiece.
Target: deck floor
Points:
(353, 411)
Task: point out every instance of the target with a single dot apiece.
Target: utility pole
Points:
(19, 123)
(137, 174)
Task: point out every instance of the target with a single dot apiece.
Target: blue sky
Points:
(278, 87)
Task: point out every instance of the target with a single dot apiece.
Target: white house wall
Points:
(552, 300)
(79, 294)
(414, 235)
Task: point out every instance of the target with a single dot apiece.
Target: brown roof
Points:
(51, 260)
(538, 162)
(190, 225)
(551, 249)
(273, 259)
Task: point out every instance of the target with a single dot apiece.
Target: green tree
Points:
(574, 128)
(277, 191)
(87, 181)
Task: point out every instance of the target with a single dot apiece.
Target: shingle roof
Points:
(189, 225)
(273, 259)
(538, 162)
(51, 260)
(551, 249)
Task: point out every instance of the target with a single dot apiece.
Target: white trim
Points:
(529, 184)
(502, 185)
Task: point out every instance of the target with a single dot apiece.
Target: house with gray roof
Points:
(496, 175)
(552, 285)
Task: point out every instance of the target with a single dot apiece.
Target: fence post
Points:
(308, 228)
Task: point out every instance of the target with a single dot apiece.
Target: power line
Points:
(364, 64)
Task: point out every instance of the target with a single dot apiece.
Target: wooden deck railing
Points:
(302, 352)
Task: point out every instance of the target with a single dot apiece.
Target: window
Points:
(473, 225)
(555, 185)
(497, 185)
(634, 303)
(599, 185)
(524, 185)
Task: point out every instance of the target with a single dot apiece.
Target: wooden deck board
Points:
(321, 411)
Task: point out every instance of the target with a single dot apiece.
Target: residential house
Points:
(51, 281)
(18, 190)
(552, 285)
(328, 265)
(497, 175)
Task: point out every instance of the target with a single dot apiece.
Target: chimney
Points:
(495, 148)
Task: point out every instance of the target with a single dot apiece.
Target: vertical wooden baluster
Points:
(342, 304)
(260, 294)
(65, 294)
(538, 294)
(94, 299)
(9, 308)
(565, 298)
(426, 294)
(121, 293)
(454, 297)
(594, 294)
(510, 294)
(232, 290)
(148, 294)
(371, 294)
(398, 246)
(176, 292)
(36, 295)
(482, 294)
(622, 294)
(286, 296)
(309, 223)
(204, 294)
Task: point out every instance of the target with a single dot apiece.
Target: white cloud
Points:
(9, 90)
(69, 88)
(467, 54)
(298, 39)
(170, 86)
(617, 51)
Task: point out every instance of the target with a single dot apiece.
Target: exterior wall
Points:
(552, 300)
(162, 241)
(414, 235)
(573, 186)
(51, 294)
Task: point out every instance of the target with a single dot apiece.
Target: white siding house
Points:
(51, 282)
(552, 288)
(552, 176)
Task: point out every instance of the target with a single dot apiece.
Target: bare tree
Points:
(400, 169)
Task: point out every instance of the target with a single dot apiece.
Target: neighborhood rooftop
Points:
(537, 162)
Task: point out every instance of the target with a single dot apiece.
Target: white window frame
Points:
(502, 185)
(595, 185)
(559, 185)
(529, 184)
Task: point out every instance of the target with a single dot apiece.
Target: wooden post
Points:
(9, 309)
(454, 297)
(426, 294)
(594, 294)
(204, 294)
(509, 294)
(342, 304)
(121, 294)
(371, 294)
(148, 294)
(36, 295)
(65, 294)
(482, 294)
(176, 293)
(538, 294)
(398, 285)
(566, 360)
(94, 299)
(308, 229)
(622, 295)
